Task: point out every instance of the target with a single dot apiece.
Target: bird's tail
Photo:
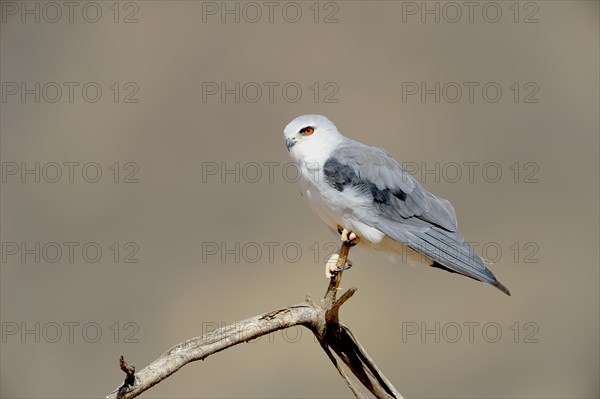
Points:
(449, 251)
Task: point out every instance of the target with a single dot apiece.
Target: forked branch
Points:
(322, 319)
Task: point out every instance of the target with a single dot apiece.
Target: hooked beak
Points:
(289, 143)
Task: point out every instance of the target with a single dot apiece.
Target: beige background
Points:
(171, 294)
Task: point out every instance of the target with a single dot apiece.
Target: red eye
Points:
(307, 131)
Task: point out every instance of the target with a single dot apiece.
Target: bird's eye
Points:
(307, 131)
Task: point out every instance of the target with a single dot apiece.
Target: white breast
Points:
(348, 208)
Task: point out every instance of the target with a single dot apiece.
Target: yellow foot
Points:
(331, 267)
(348, 236)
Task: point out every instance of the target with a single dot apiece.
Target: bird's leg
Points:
(335, 265)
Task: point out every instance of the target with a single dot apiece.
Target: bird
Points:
(366, 195)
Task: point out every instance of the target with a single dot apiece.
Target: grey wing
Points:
(407, 212)
(398, 194)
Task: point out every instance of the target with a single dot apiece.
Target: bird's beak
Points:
(289, 143)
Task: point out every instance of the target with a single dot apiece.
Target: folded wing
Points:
(407, 212)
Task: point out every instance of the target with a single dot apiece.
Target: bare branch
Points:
(322, 319)
(201, 347)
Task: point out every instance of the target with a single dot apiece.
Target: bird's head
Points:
(307, 134)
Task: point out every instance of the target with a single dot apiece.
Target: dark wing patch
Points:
(398, 193)
(340, 176)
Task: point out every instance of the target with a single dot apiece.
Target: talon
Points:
(353, 238)
(349, 237)
(331, 266)
(344, 236)
(347, 266)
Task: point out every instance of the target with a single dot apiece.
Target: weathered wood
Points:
(322, 319)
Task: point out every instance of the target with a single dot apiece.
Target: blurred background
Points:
(147, 195)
